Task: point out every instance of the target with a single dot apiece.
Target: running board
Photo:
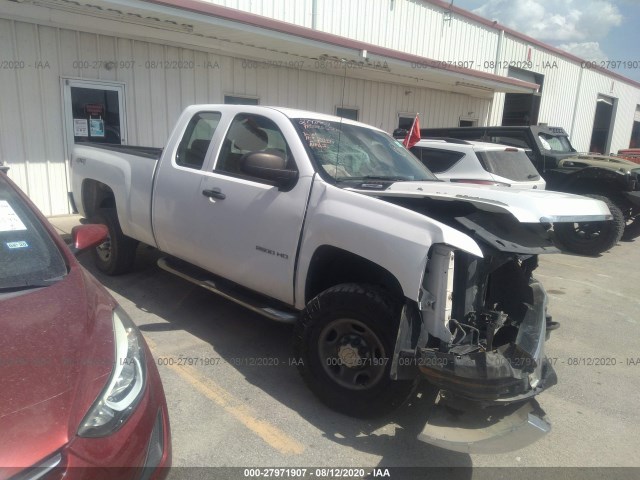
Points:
(225, 289)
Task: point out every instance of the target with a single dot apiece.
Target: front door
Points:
(94, 112)
(251, 228)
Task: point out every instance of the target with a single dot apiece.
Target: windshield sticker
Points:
(309, 124)
(9, 220)
(21, 244)
(316, 140)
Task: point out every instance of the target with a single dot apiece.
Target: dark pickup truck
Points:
(556, 160)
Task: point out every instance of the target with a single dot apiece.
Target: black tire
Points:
(591, 238)
(632, 229)
(356, 325)
(117, 255)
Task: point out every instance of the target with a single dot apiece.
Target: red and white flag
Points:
(413, 136)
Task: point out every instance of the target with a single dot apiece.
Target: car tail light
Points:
(480, 182)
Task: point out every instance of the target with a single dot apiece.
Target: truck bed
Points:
(153, 153)
(129, 171)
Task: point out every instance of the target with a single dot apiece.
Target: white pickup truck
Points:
(389, 275)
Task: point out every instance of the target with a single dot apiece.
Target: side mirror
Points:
(269, 167)
(87, 236)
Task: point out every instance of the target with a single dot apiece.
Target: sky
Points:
(595, 30)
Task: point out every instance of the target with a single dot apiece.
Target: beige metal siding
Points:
(594, 84)
(412, 27)
(296, 11)
(31, 112)
(560, 80)
(406, 25)
(423, 29)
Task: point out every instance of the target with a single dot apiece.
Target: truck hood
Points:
(527, 206)
(603, 161)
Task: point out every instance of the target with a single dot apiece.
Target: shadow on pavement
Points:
(237, 333)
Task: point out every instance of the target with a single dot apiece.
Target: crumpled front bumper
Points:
(473, 429)
(486, 402)
(510, 373)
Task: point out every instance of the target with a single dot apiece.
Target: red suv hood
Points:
(56, 354)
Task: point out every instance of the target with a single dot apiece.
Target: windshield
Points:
(555, 144)
(514, 165)
(349, 152)
(28, 256)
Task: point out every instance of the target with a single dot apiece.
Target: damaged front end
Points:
(478, 334)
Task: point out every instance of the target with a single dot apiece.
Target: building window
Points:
(237, 100)
(348, 113)
(635, 131)
(406, 121)
(468, 122)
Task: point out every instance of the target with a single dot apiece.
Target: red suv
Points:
(80, 395)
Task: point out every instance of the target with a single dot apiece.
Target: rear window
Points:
(514, 140)
(514, 165)
(28, 255)
(196, 139)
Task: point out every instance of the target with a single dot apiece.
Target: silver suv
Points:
(479, 163)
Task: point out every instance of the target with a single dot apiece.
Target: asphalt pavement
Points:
(236, 399)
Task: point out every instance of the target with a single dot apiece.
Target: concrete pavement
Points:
(236, 399)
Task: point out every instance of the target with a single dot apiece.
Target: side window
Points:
(437, 161)
(251, 133)
(515, 140)
(196, 139)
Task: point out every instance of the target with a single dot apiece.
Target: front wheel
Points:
(632, 230)
(591, 238)
(345, 339)
(118, 253)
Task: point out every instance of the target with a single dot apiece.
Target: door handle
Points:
(214, 193)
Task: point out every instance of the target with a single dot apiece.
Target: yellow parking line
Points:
(273, 436)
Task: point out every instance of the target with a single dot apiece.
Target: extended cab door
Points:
(176, 191)
(236, 226)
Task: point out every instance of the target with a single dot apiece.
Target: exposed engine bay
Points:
(481, 323)
(478, 332)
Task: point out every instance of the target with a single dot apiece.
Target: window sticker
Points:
(80, 128)
(9, 220)
(20, 244)
(97, 127)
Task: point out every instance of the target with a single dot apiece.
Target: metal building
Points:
(121, 71)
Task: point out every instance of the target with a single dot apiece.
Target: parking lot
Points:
(236, 399)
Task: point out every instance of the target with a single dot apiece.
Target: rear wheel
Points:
(591, 238)
(118, 253)
(345, 339)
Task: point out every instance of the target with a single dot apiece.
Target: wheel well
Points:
(332, 266)
(96, 195)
